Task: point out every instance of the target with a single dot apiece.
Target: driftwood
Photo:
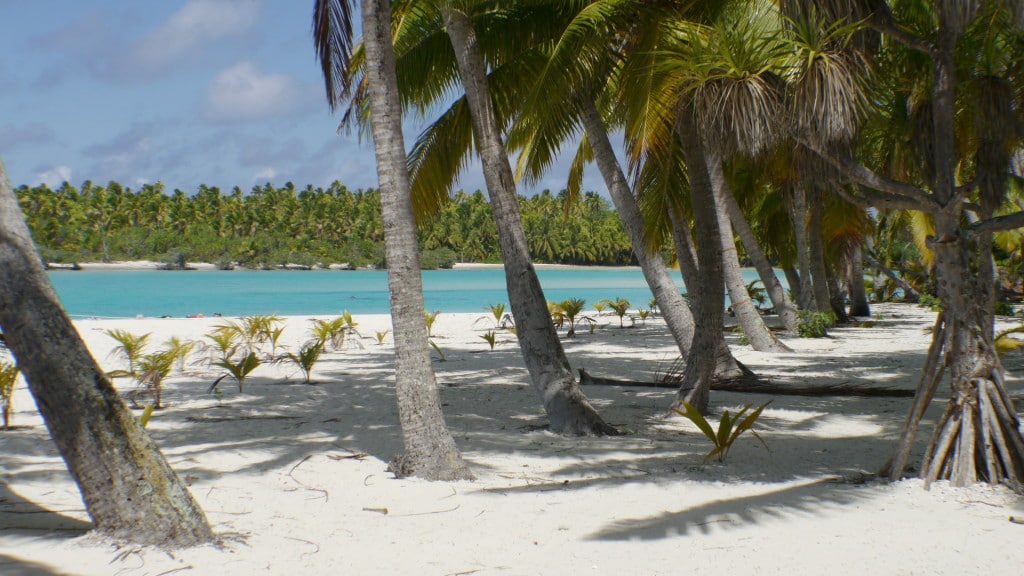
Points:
(762, 386)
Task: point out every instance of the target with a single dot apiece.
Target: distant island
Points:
(275, 228)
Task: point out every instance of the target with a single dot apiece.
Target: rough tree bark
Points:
(858, 293)
(430, 450)
(567, 408)
(128, 488)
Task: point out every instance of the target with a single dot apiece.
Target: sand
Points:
(293, 477)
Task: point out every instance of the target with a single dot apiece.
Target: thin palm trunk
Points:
(567, 408)
(129, 490)
(430, 450)
(761, 338)
(674, 310)
(798, 215)
(816, 252)
(782, 304)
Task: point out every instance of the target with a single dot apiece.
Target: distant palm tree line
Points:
(271, 226)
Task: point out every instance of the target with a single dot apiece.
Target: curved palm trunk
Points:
(128, 488)
(783, 306)
(673, 308)
(567, 408)
(700, 365)
(749, 318)
(430, 450)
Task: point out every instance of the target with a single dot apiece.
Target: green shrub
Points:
(815, 324)
(928, 301)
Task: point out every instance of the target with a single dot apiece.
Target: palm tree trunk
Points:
(761, 338)
(430, 450)
(783, 306)
(798, 214)
(816, 253)
(674, 310)
(567, 408)
(129, 490)
(700, 364)
(858, 293)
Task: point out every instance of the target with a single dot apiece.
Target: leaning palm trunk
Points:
(858, 294)
(128, 488)
(761, 338)
(780, 301)
(430, 450)
(674, 310)
(567, 408)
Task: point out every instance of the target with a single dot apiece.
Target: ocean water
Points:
(119, 294)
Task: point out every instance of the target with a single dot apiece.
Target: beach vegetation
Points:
(238, 369)
(569, 311)
(130, 347)
(153, 369)
(305, 359)
(430, 318)
(491, 337)
(8, 377)
(336, 331)
(179, 350)
(620, 306)
(499, 316)
(380, 335)
(730, 427)
(815, 324)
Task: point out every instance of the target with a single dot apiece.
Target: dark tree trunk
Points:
(816, 253)
(859, 306)
(128, 488)
(793, 279)
(430, 450)
(567, 408)
(798, 213)
(700, 365)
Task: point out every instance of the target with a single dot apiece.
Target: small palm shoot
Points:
(499, 315)
(238, 370)
(307, 357)
(381, 335)
(130, 347)
(430, 318)
(179, 350)
(730, 427)
(572, 309)
(335, 332)
(600, 307)
(8, 376)
(620, 306)
(643, 314)
(439, 351)
(491, 337)
(653, 305)
(153, 368)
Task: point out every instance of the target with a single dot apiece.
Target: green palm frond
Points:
(332, 36)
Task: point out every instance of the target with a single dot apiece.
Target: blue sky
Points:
(187, 92)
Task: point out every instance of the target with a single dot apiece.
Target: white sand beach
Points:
(293, 476)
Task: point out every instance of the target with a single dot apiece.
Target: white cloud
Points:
(53, 177)
(242, 93)
(267, 174)
(186, 33)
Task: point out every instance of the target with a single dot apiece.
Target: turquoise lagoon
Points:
(119, 294)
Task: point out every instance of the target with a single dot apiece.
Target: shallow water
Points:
(239, 292)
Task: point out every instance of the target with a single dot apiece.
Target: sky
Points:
(186, 92)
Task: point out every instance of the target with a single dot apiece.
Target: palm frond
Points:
(332, 37)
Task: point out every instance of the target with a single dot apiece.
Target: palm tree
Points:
(128, 488)
(430, 449)
(977, 437)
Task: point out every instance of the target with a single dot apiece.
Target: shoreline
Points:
(151, 265)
